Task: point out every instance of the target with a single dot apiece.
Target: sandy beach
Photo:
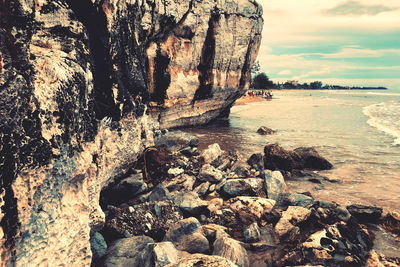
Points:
(249, 99)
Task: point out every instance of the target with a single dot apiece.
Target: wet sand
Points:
(249, 99)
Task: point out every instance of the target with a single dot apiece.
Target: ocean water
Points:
(358, 131)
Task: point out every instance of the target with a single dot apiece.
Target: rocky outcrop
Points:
(75, 78)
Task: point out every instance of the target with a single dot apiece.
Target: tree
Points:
(256, 68)
(261, 81)
(316, 85)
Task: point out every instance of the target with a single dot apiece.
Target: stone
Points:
(286, 228)
(209, 173)
(391, 222)
(244, 187)
(265, 131)
(164, 253)
(230, 249)
(203, 260)
(182, 182)
(202, 189)
(274, 183)
(125, 190)
(211, 153)
(256, 161)
(365, 214)
(159, 193)
(98, 246)
(294, 199)
(186, 235)
(150, 218)
(241, 170)
(250, 209)
(132, 251)
(252, 233)
(190, 202)
(278, 158)
(175, 171)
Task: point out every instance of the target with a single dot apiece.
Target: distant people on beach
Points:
(267, 95)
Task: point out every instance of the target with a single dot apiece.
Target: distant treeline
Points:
(262, 81)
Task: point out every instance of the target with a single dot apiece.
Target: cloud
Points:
(355, 8)
(285, 72)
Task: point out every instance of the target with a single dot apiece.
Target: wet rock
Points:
(275, 184)
(365, 214)
(230, 249)
(294, 199)
(189, 202)
(278, 158)
(244, 187)
(310, 159)
(159, 193)
(186, 235)
(151, 218)
(98, 246)
(211, 153)
(197, 260)
(177, 140)
(132, 251)
(256, 161)
(391, 222)
(210, 173)
(241, 170)
(157, 162)
(252, 233)
(265, 131)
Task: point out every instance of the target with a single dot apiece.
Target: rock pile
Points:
(183, 208)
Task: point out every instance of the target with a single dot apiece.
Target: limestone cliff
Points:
(75, 80)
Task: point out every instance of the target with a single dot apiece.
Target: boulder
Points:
(391, 222)
(98, 246)
(133, 251)
(187, 235)
(252, 233)
(230, 249)
(189, 202)
(164, 253)
(197, 260)
(286, 228)
(211, 153)
(241, 170)
(365, 214)
(151, 218)
(274, 183)
(256, 161)
(159, 193)
(265, 131)
(243, 187)
(209, 173)
(182, 182)
(175, 171)
(124, 190)
(294, 199)
(202, 189)
(250, 209)
(278, 158)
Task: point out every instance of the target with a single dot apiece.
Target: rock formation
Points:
(75, 78)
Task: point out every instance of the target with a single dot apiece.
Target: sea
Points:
(357, 131)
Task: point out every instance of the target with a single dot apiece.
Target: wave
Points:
(385, 117)
(339, 92)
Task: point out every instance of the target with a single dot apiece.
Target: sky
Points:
(344, 42)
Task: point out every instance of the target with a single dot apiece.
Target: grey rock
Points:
(294, 199)
(210, 173)
(164, 253)
(241, 170)
(177, 140)
(98, 245)
(175, 171)
(125, 190)
(365, 214)
(256, 161)
(202, 189)
(132, 251)
(197, 260)
(275, 184)
(211, 153)
(182, 182)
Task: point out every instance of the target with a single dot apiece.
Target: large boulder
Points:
(211, 153)
(278, 158)
(177, 140)
(230, 249)
(274, 183)
(365, 214)
(243, 187)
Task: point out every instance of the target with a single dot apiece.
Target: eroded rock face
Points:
(75, 78)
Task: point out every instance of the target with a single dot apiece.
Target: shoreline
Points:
(248, 99)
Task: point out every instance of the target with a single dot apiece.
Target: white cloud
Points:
(355, 8)
(325, 70)
(285, 72)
